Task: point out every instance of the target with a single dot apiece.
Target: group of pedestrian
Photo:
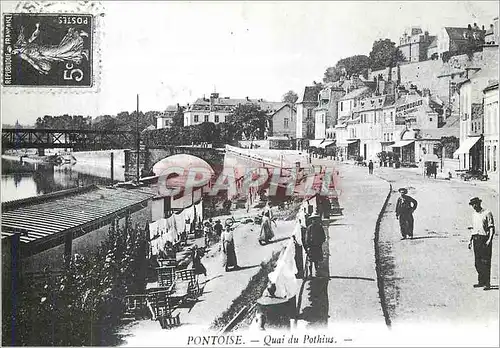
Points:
(431, 170)
(308, 236)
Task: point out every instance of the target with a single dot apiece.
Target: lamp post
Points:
(138, 140)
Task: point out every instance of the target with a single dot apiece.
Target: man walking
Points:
(483, 229)
(370, 167)
(405, 207)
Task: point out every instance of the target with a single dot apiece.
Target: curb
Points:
(380, 279)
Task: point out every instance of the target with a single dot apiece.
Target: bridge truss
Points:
(78, 140)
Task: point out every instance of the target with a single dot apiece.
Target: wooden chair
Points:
(190, 277)
(164, 309)
(135, 307)
(166, 275)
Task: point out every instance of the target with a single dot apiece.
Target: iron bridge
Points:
(78, 140)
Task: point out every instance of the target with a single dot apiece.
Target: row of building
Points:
(363, 118)
(358, 117)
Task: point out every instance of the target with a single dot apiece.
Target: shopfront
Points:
(470, 154)
(405, 149)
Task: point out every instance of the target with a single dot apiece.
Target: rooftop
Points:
(492, 84)
(376, 102)
(356, 93)
(228, 104)
(456, 33)
(44, 220)
(310, 94)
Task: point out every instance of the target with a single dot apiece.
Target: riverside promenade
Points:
(345, 297)
(220, 288)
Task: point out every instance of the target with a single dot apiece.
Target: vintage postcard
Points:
(252, 173)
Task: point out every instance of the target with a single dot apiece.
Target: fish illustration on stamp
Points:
(57, 54)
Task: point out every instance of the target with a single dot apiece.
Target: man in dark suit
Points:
(314, 238)
(405, 207)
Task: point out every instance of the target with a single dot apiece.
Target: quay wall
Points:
(98, 163)
(100, 158)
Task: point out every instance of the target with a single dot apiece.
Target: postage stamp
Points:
(48, 50)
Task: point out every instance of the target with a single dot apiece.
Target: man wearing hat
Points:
(218, 228)
(405, 207)
(483, 230)
(313, 242)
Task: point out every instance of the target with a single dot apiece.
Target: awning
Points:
(349, 142)
(430, 158)
(326, 143)
(402, 143)
(466, 146)
(315, 142)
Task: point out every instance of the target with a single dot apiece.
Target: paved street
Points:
(427, 281)
(432, 275)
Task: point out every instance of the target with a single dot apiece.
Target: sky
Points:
(176, 52)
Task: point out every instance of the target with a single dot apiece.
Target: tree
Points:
(354, 65)
(332, 74)
(385, 54)
(290, 97)
(248, 119)
(178, 119)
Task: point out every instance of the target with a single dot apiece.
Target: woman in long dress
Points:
(228, 251)
(198, 267)
(266, 231)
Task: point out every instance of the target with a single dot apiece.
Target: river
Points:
(23, 180)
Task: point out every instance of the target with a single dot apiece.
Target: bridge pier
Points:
(41, 151)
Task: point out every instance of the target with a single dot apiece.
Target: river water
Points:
(23, 180)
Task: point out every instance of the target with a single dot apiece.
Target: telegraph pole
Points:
(138, 140)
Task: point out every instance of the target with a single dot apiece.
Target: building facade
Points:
(165, 119)
(414, 45)
(491, 135)
(370, 125)
(471, 151)
(326, 113)
(282, 123)
(217, 109)
(306, 104)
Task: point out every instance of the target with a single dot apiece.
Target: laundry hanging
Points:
(283, 276)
